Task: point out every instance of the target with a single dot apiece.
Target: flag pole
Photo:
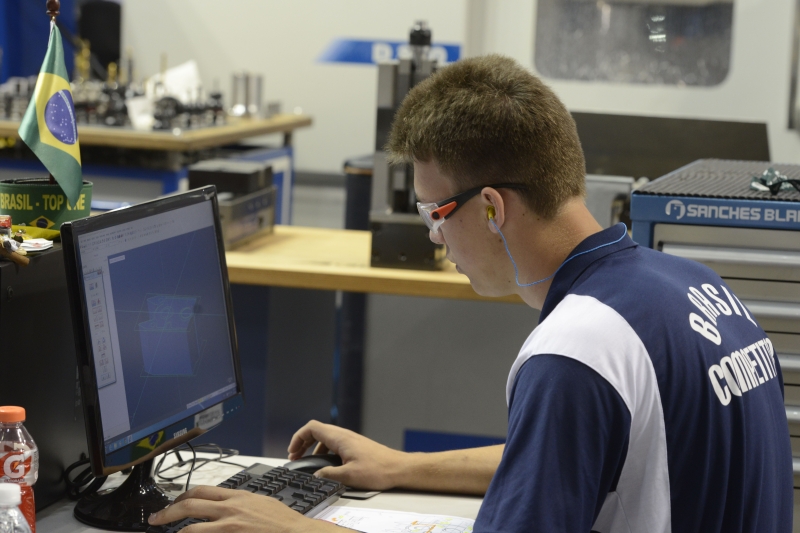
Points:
(53, 9)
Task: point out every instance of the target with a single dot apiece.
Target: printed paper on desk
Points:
(36, 245)
(380, 521)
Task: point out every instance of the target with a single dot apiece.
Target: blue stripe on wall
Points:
(368, 52)
(431, 441)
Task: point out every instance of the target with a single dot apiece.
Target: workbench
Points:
(338, 260)
(129, 166)
(185, 141)
(324, 335)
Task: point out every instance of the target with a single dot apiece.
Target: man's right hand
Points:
(366, 464)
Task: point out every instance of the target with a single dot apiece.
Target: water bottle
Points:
(19, 460)
(11, 519)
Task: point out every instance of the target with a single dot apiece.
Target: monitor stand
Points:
(127, 507)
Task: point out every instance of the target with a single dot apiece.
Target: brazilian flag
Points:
(49, 127)
(147, 445)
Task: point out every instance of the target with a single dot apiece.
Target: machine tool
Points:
(399, 236)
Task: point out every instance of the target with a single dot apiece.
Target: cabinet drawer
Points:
(785, 343)
(796, 520)
(745, 263)
(793, 416)
(796, 470)
(790, 368)
(734, 252)
(775, 316)
(774, 291)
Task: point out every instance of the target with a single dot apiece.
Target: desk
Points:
(58, 517)
(131, 166)
(338, 260)
(185, 141)
(313, 334)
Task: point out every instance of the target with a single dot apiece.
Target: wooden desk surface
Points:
(316, 258)
(186, 141)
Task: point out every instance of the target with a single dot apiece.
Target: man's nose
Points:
(436, 237)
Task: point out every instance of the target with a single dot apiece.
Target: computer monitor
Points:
(155, 339)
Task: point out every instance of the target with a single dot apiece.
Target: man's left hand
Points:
(236, 510)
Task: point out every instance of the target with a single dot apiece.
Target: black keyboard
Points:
(302, 492)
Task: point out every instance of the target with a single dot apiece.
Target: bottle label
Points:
(15, 465)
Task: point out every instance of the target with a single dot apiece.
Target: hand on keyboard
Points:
(256, 499)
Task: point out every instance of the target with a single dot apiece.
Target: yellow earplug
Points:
(490, 212)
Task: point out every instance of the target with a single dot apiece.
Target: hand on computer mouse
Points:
(313, 463)
(366, 464)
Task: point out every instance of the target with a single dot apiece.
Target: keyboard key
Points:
(328, 489)
(302, 507)
(313, 499)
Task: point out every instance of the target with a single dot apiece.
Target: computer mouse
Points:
(311, 463)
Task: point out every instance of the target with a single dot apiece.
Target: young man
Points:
(646, 400)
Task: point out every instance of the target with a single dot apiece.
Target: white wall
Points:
(282, 40)
(756, 89)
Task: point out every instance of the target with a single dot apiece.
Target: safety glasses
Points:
(435, 213)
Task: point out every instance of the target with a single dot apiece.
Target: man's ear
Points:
(493, 208)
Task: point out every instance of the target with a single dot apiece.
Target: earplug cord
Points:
(516, 270)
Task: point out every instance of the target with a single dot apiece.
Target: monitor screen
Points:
(157, 330)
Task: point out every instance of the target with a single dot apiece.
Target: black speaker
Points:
(40, 367)
(100, 24)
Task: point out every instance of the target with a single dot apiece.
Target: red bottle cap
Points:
(12, 414)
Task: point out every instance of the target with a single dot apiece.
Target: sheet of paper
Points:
(380, 521)
(36, 245)
(181, 82)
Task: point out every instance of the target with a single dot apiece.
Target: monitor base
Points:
(127, 507)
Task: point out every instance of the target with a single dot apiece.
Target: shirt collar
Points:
(570, 271)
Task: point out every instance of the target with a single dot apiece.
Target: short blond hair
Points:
(487, 120)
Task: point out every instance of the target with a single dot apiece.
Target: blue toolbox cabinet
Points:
(707, 212)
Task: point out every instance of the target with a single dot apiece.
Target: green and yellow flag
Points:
(49, 127)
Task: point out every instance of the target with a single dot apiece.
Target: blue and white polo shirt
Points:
(647, 400)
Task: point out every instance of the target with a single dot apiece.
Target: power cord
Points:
(84, 483)
(194, 460)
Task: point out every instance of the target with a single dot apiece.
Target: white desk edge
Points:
(58, 518)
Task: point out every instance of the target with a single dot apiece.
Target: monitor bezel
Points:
(70, 233)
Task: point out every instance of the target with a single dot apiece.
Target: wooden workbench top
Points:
(186, 141)
(316, 258)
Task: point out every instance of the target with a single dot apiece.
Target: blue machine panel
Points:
(714, 192)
